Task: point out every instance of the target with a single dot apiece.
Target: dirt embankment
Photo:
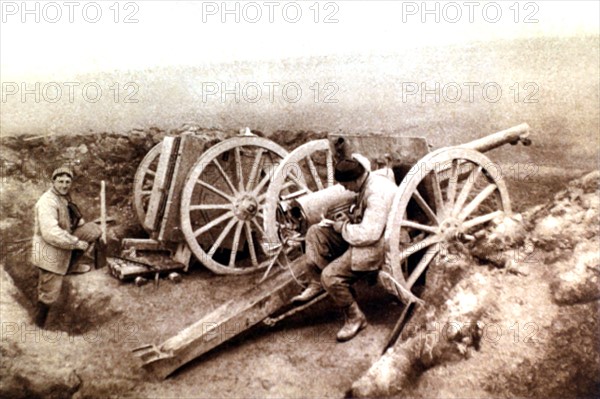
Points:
(517, 318)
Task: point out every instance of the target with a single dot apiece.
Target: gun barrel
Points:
(512, 135)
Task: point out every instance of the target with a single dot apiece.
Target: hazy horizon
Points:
(378, 69)
(60, 42)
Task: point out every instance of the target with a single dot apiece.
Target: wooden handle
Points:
(103, 210)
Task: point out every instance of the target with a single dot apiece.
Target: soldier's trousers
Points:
(49, 283)
(328, 260)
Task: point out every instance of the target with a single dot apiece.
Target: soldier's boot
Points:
(41, 314)
(314, 288)
(355, 321)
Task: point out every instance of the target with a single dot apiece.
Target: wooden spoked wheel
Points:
(143, 182)
(307, 169)
(445, 198)
(222, 204)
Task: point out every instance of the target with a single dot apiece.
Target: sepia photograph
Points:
(299, 199)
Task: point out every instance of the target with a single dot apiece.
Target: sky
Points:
(49, 40)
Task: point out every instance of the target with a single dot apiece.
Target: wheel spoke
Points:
(452, 183)
(330, 172)
(261, 184)
(466, 190)
(210, 207)
(295, 194)
(460, 164)
(465, 168)
(143, 183)
(443, 206)
(286, 186)
(481, 219)
(236, 243)
(221, 237)
(421, 202)
(215, 190)
(298, 182)
(418, 246)
(254, 171)
(269, 164)
(250, 240)
(223, 188)
(437, 194)
(238, 168)
(227, 179)
(261, 200)
(486, 192)
(419, 226)
(213, 223)
(425, 260)
(280, 259)
(258, 227)
(314, 173)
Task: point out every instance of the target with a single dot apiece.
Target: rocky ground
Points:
(518, 320)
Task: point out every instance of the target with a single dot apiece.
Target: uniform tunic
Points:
(359, 248)
(54, 242)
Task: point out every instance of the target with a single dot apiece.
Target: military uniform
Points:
(359, 248)
(54, 243)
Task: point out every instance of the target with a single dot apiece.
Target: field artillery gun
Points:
(184, 193)
(443, 196)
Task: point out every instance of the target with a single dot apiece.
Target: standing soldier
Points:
(59, 240)
(342, 252)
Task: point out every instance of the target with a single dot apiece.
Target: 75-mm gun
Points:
(443, 196)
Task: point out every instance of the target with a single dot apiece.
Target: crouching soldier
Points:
(59, 240)
(343, 252)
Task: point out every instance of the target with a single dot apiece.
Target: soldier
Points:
(60, 238)
(342, 252)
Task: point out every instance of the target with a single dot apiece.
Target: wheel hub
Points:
(451, 228)
(245, 207)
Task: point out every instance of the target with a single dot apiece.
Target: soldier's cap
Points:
(63, 170)
(348, 170)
